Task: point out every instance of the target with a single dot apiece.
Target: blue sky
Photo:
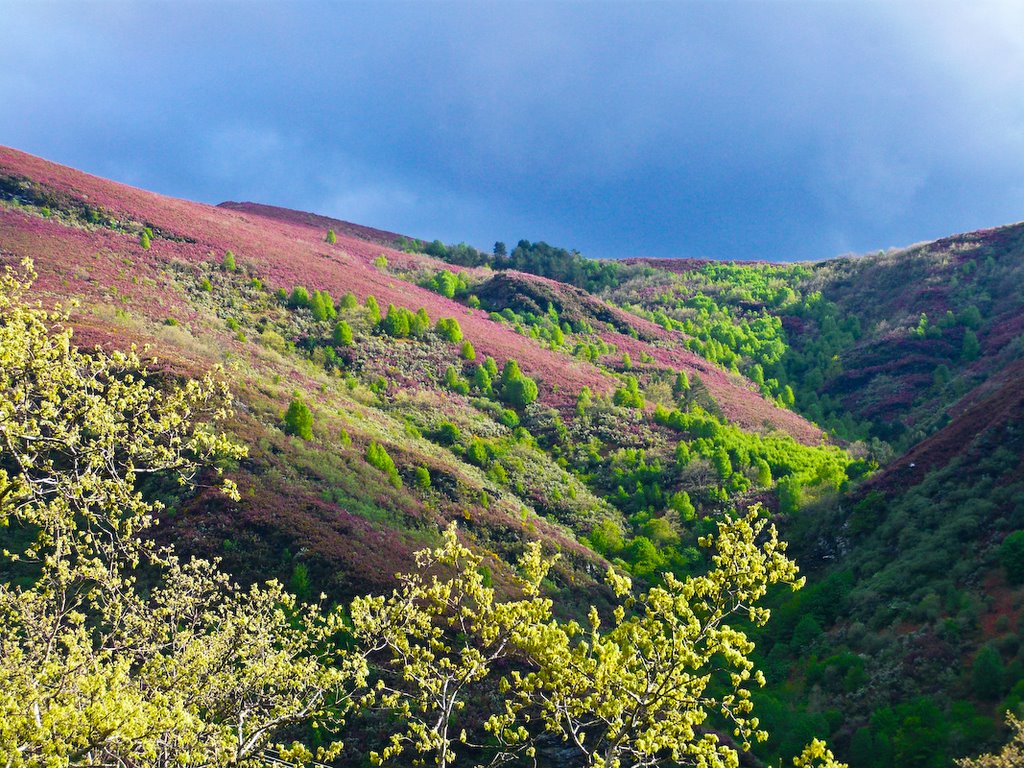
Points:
(767, 130)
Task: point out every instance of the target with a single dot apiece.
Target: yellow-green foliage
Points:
(201, 672)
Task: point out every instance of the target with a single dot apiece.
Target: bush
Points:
(467, 351)
(299, 297)
(228, 263)
(377, 456)
(331, 238)
(396, 322)
(422, 478)
(448, 328)
(298, 419)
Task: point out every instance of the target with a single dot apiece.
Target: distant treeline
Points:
(536, 258)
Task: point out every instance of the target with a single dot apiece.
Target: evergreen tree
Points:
(298, 419)
(342, 335)
(331, 238)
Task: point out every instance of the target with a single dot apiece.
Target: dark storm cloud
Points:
(760, 130)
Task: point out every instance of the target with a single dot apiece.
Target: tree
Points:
(396, 322)
(419, 323)
(298, 419)
(639, 691)
(93, 671)
(482, 380)
(145, 239)
(437, 640)
(500, 249)
(317, 307)
(299, 297)
(448, 328)
(377, 456)
(1011, 555)
(372, 310)
(228, 263)
(342, 336)
(331, 238)
(520, 392)
(970, 348)
(467, 352)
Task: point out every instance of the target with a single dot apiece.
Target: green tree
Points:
(419, 323)
(1010, 756)
(378, 457)
(482, 380)
(228, 263)
(298, 419)
(467, 352)
(448, 328)
(429, 673)
(299, 297)
(987, 673)
(396, 322)
(520, 392)
(1011, 555)
(331, 238)
(316, 306)
(971, 348)
(372, 310)
(145, 239)
(342, 336)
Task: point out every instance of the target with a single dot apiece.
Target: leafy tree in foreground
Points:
(199, 671)
(648, 690)
(436, 641)
(640, 691)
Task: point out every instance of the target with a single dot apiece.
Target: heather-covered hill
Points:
(437, 402)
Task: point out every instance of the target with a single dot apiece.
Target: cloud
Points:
(725, 129)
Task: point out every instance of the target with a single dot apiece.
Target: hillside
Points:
(611, 411)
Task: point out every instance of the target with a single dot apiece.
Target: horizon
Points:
(728, 131)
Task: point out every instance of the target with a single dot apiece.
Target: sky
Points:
(731, 130)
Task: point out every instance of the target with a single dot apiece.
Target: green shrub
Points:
(467, 351)
(331, 238)
(377, 456)
(629, 396)
(396, 322)
(372, 310)
(448, 328)
(206, 285)
(228, 262)
(448, 433)
(342, 336)
(299, 297)
(348, 301)
(298, 419)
